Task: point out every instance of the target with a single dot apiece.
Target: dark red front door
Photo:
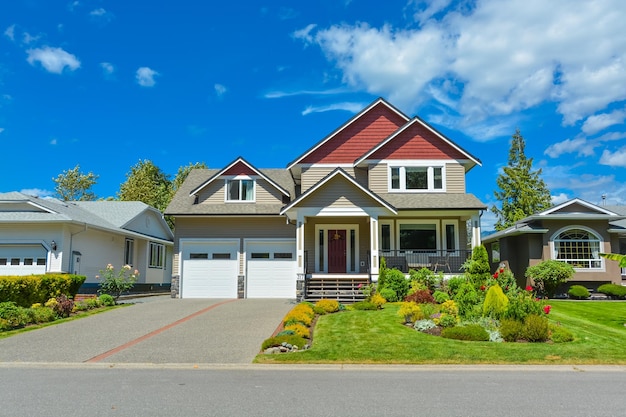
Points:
(336, 251)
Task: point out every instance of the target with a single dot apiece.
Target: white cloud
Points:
(37, 192)
(54, 60)
(559, 198)
(145, 77)
(351, 107)
(220, 90)
(599, 122)
(10, 32)
(614, 159)
(101, 15)
(54, 142)
(578, 145)
(281, 94)
(506, 57)
(98, 12)
(1, 129)
(27, 38)
(107, 69)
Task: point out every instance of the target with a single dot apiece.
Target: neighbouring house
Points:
(575, 232)
(39, 235)
(381, 185)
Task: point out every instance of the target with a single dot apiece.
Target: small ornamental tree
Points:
(115, 284)
(477, 268)
(548, 275)
(495, 303)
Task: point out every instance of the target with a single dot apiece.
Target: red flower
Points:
(546, 308)
(501, 270)
(529, 288)
(482, 288)
(495, 276)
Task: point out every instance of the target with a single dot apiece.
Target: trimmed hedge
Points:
(613, 290)
(471, 332)
(27, 290)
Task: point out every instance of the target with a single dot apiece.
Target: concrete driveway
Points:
(158, 330)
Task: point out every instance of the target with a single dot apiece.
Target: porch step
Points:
(343, 289)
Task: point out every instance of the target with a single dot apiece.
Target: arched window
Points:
(578, 247)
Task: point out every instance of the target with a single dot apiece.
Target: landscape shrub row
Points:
(27, 290)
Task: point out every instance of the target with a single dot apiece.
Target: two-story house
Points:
(381, 185)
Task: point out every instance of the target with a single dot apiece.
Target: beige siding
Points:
(215, 193)
(339, 193)
(378, 178)
(311, 175)
(455, 178)
(228, 228)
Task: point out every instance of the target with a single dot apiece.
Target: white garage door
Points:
(271, 269)
(209, 269)
(22, 259)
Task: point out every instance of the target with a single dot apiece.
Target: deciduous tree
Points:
(183, 173)
(522, 192)
(147, 183)
(74, 185)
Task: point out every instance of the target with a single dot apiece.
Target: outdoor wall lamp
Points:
(53, 245)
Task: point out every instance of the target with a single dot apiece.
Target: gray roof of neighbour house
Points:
(53, 210)
(183, 201)
(621, 210)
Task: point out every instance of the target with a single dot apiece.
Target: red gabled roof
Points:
(356, 137)
(240, 168)
(417, 140)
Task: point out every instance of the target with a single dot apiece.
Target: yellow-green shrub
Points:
(300, 330)
(378, 300)
(31, 289)
(495, 303)
(410, 312)
(302, 313)
(329, 306)
(449, 307)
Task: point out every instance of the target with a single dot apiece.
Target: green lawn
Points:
(379, 337)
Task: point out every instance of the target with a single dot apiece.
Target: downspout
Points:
(71, 252)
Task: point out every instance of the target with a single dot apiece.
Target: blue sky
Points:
(105, 83)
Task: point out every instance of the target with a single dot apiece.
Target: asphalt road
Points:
(254, 390)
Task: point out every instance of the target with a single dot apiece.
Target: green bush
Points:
(535, 328)
(107, 300)
(559, 334)
(42, 315)
(466, 299)
(410, 312)
(278, 341)
(472, 332)
(578, 292)
(426, 277)
(300, 330)
(446, 320)
(548, 275)
(286, 333)
(613, 290)
(115, 284)
(388, 294)
(440, 297)
(329, 306)
(364, 305)
(495, 303)
(396, 281)
(453, 285)
(511, 330)
(32, 289)
(477, 268)
(13, 316)
(521, 304)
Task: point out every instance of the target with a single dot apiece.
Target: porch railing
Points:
(446, 261)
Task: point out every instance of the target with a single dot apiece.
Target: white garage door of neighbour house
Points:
(271, 268)
(209, 269)
(22, 259)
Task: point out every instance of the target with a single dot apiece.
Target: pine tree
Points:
(522, 191)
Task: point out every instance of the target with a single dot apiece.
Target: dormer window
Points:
(240, 190)
(416, 178)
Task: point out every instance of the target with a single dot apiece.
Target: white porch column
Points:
(301, 268)
(374, 261)
(476, 239)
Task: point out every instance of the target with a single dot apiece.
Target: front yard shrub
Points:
(445, 320)
(41, 314)
(449, 307)
(440, 297)
(613, 290)
(535, 328)
(388, 294)
(286, 333)
(299, 330)
(364, 305)
(559, 334)
(466, 298)
(328, 306)
(424, 325)
(115, 284)
(495, 303)
(63, 306)
(477, 268)
(279, 340)
(548, 275)
(521, 304)
(107, 300)
(472, 332)
(13, 316)
(410, 312)
(396, 281)
(578, 292)
(32, 289)
(420, 297)
(453, 285)
(378, 300)
(511, 330)
(425, 277)
(297, 316)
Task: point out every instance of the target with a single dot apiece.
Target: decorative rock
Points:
(283, 349)
(271, 351)
(307, 346)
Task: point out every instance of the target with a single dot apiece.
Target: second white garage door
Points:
(209, 269)
(271, 268)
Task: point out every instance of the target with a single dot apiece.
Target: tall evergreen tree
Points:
(522, 192)
(73, 185)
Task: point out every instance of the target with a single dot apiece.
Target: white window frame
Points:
(430, 167)
(347, 228)
(156, 255)
(239, 178)
(598, 238)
